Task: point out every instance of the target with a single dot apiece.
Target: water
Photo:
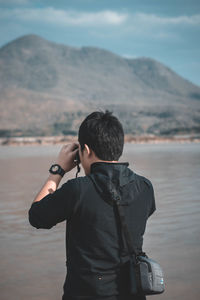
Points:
(32, 262)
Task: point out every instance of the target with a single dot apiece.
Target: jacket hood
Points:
(109, 178)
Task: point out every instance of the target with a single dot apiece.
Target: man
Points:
(95, 245)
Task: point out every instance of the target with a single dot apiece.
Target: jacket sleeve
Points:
(56, 207)
(151, 203)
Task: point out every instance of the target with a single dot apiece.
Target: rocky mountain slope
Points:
(48, 88)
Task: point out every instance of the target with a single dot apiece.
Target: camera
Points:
(77, 158)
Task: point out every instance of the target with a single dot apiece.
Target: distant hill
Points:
(48, 88)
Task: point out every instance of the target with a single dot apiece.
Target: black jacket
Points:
(95, 247)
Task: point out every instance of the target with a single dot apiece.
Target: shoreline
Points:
(53, 140)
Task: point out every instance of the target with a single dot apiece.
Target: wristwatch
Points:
(56, 169)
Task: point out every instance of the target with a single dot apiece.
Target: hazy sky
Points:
(166, 30)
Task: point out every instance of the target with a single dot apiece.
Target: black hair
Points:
(104, 134)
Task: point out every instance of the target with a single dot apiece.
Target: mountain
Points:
(48, 88)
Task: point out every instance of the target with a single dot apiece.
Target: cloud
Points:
(61, 17)
(117, 24)
(51, 15)
(142, 25)
(152, 19)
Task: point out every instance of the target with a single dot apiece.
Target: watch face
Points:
(55, 168)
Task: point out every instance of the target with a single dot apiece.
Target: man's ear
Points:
(87, 149)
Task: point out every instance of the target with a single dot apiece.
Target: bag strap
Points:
(128, 238)
(116, 202)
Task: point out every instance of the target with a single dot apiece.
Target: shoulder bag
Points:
(146, 275)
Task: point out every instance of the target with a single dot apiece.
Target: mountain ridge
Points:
(43, 83)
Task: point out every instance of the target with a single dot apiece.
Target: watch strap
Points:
(58, 170)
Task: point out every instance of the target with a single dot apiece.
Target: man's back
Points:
(96, 249)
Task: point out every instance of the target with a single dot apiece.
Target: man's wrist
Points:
(56, 169)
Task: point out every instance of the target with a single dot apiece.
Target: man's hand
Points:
(67, 155)
(66, 161)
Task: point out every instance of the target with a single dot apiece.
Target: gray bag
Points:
(146, 276)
